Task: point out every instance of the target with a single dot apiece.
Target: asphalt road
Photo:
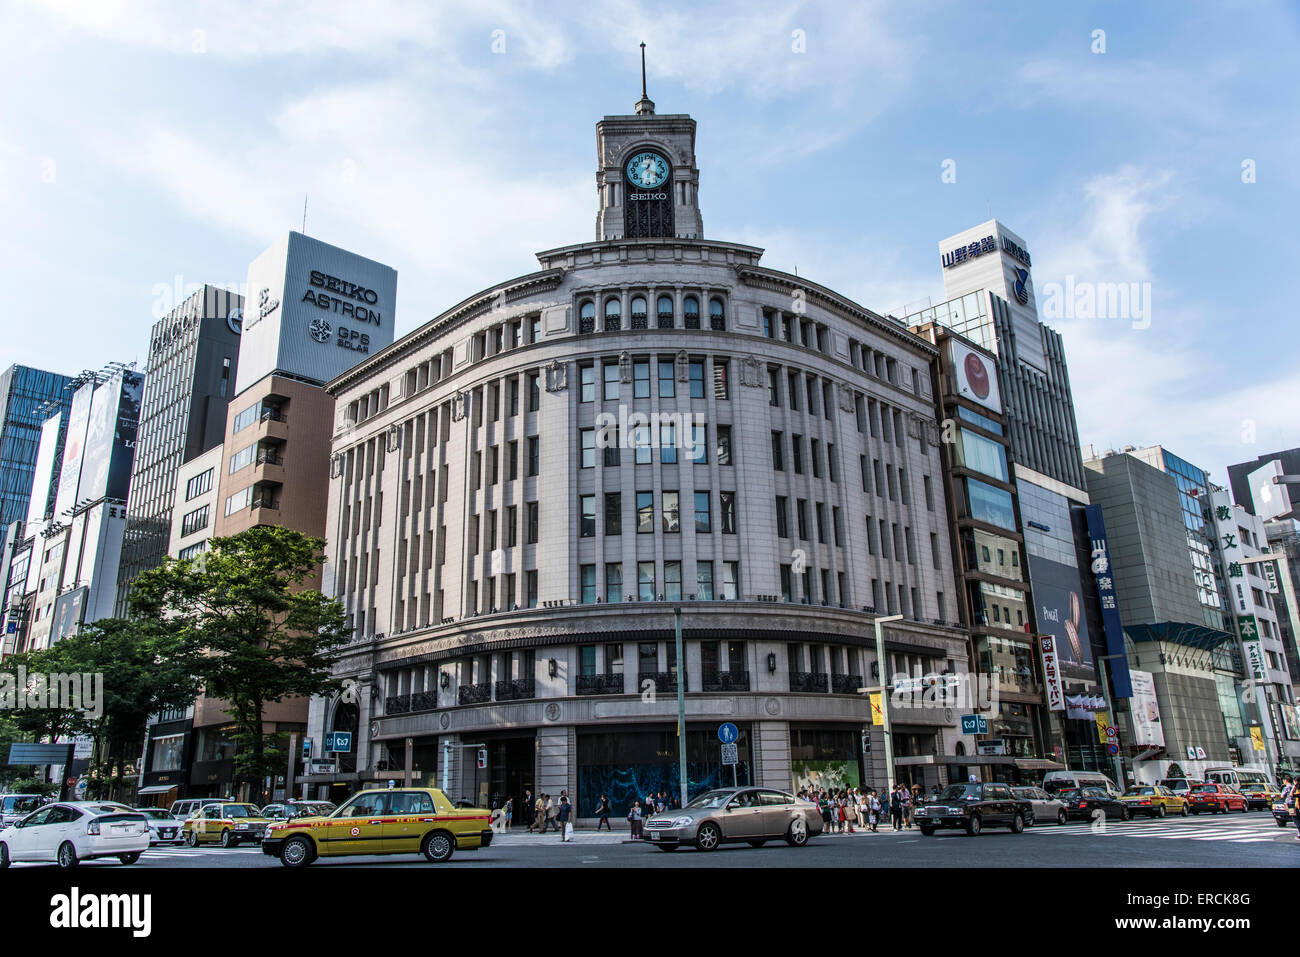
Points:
(1233, 840)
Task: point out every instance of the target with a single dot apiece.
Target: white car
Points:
(1045, 809)
(73, 831)
(163, 827)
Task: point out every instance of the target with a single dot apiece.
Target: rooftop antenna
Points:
(304, 214)
(644, 106)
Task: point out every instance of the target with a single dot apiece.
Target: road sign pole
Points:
(681, 702)
(884, 696)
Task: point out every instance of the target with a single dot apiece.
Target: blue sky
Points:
(146, 146)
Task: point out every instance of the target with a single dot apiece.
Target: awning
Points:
(1039, 764)
(158, 789)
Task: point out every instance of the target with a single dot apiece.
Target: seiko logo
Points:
(648, 196)
(344, 288)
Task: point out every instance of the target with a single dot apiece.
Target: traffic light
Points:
(866, 742)
(482, 758)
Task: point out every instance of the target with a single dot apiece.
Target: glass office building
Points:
(27, 398)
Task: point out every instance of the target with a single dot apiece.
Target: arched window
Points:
(613, 315)
(638, 312)
(665, 309)
(716, 316)
(587, 317)
(691, 308)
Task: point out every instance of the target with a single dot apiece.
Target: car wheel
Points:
(439, 847)
(5, 859)
(1160, 811)
(129, 858)
(191, 839)
(1017, 824)
(757, 843)
(67, 856)
(1243, 809)
(796, 834)
(228, 839)
(974, 825)
(4, 855)
(1126, 814)
(297, 852)
(1060, 817)
(927, 830)
(1184, 810)
(708, 837)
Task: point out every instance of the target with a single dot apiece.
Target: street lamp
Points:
(884, 696)
(681, 702)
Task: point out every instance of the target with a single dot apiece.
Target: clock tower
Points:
(646, 177)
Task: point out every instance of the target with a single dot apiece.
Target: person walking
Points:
(634, 820)
(851, 810)
(896, 807)
(551, 811)
(875, 811)
(563, 815)
(905, 796)
(602, 812)
(539, 816)
(510, 811)
(1293, 806)
(526, 808)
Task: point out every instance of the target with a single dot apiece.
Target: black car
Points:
(1083, 804)
(972, 807)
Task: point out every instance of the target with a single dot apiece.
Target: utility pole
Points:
(681, 702)
(1114, 718)
(884, 695)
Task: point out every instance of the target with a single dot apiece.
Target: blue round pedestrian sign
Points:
(728, 733)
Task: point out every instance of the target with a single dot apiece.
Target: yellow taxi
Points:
(388, 821)
(228, 824)
(1153, 801)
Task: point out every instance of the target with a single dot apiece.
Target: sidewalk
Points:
(521, 838)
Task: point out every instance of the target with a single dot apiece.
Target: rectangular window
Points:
(672, 512)
(673, 581)
(512, 392)
(239, 501)
(647, 657)
(704, 581)
(724, 444)
(801, 517)
(512, 526)
(668, 443)
(778, 460)
(611, 381)
(614, 658)
(811, 383)
(641, 380)
(721, 380)
(796, 453)
(699, 445)
(613, 448)
(703, 516)
(667, 390)
(696, 370)
(787, 582)
(613, 513)
(531, 518)
(588, 524)
(832, 463)
(243, 458)
(588, 573)
(929, 492)
(588, 437)
(730, 585)
(821, 522)
(534, 455)
(534, 391)
(815, 453)
(512, 461)
(587, 382)
(530, 589)
(645, 513)
(613, 583)
(645, 581)
(198, 484)
(195, 520)
(727, 512)
(792, 390)
(782, 517)
(492, 530)
(641, 441)
(773, 386)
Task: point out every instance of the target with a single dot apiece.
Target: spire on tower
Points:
(644, 106)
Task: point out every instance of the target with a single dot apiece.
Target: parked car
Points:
(229, 824)
(188, 807)
(388, 821)
(972, 807)
(1092, 804)
(1180, 786)
(1054, 781)
(70, 832)
(1282, 814)
(15, 807)
(745, 815)
(1043, 807)
(1154, 800)
(1260, 797)
(288, 810)
(163, 828)
(1216, 798)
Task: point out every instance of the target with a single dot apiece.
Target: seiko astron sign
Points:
(313, 311)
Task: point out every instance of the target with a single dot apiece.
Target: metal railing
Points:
(474, 694)
(845, 684)
(665, 682)
(814, 681)
(600, 684)
(516, 689)
(714, 680)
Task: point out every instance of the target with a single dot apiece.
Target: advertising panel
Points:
(976, 375)
(1058, 609)
(313, 311)
(1147, 728)
(1110, 619)
(47, 467)
(73, 447)
(1052, 673)
(110, 438)
(68, 611)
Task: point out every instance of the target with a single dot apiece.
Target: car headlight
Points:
(267, 832)
(682, 821)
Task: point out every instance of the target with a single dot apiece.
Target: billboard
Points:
(1271, 499)
(313, 311)
(73, 447)
(976, 375)
(47, 467)
(1058, 610)
(1145, 710)
(69, 608)
(110, 438)
(1104, 577)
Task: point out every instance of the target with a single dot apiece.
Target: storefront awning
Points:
(158, 789)
(1038, 764)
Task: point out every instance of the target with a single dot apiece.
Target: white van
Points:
(1236, 777)
(1056, 781)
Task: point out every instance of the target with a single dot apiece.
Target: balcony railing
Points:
(600, 684)
(714, 680)
(516, 689)
(587, 325)
(814, 681)
(717, 322)
(474, 694)
(665, 682)
(408, 703)
(640, 320)
(692, 320)
(272, 415)
(268, 457)
(665, 320)
(845, 684)
(269, 503)
(397, 704)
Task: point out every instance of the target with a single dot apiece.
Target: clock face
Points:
(647, 170)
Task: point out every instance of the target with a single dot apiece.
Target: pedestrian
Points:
(824, 802)
(526, 808)
(851, 810)
(562, 816)
(539, 817)
(510, 811)
(896, 807)
(905, 796)
(1293, 806)
(875, 811)
(602, 812)
(634, 820)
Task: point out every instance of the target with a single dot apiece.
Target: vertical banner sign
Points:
(877, 715)
(1252, 647)
(1145, 710)
(1052, 673)
(1103, 722)
(1257, 738)
(1111, 624)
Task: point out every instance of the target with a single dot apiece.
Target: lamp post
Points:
(681, 702)
(884, 696)
(1114, 718)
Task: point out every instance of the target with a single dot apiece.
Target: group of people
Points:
(549, 814)
(639, 811)
(847, 809)
(1291, 799)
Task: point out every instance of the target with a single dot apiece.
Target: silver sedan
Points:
(751, 815)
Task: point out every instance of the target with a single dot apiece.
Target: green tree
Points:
(260, 635)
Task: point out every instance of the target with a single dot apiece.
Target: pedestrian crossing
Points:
(1234, 829)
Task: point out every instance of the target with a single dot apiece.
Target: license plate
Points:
(654, 836)
(122, 828)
